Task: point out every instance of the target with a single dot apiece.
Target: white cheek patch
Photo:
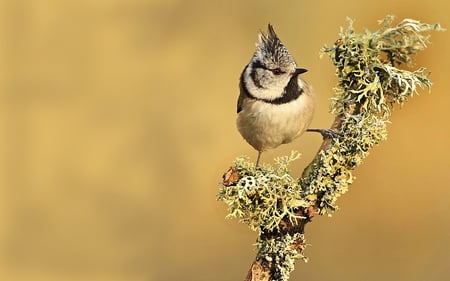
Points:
(273, 91)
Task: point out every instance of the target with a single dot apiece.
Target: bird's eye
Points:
(277, 71)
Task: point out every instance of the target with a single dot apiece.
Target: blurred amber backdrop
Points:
(117, 122)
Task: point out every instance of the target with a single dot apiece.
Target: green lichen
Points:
(279, 252)
(370, 83)
(367, 66)
(264, 196)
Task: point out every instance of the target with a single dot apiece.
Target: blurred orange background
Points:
(117, 120)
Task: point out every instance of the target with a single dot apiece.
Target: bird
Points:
(275, 105)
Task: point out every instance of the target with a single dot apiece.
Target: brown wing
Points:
(243, 93)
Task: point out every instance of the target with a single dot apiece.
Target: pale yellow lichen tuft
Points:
(280, 251)
(263, 196)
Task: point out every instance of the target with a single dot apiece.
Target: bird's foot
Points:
(327, 133)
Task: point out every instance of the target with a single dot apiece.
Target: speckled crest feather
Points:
(272, 49)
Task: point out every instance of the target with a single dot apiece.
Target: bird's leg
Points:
(326, 133)
(257, 159)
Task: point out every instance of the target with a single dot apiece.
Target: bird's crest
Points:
(271, 51)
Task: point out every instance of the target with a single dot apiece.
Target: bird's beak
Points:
(300, 71)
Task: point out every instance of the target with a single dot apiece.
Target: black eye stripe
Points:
(257, 64)
(277, 71)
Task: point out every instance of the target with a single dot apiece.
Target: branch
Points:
(370, 83)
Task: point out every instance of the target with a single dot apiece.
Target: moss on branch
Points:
(370, 83)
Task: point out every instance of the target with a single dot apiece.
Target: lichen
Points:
(263, 196)
(280, 252)
(370, 83)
